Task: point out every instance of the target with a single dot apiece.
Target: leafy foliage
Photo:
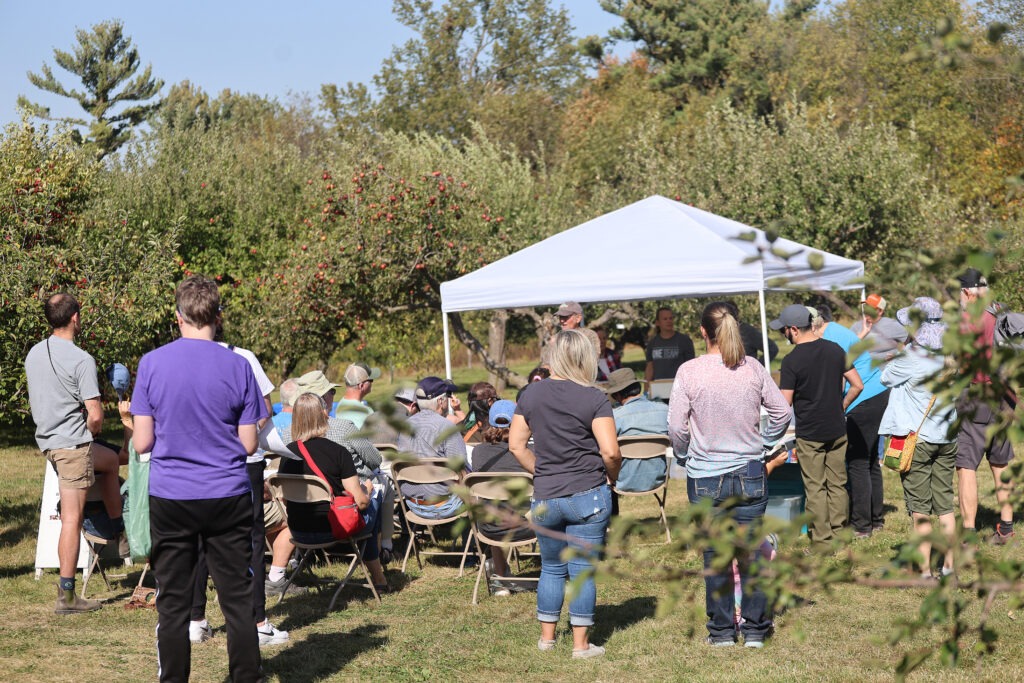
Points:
(106, 62)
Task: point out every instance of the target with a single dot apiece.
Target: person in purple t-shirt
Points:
(200, 426)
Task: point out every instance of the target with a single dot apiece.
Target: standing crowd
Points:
(842, 391)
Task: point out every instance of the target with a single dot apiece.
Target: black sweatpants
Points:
(224, 527)
(257, 562)
(863, 471)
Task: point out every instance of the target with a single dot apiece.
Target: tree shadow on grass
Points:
(304, 609)
(322, 655)
(19, 521)
(611, 618)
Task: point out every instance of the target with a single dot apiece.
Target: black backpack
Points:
(1009, 332)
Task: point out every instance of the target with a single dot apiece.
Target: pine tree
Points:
(106, 62)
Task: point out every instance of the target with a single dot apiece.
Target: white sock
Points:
(276, 573)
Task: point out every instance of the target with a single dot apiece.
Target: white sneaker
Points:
(270, 635)
(199, 631)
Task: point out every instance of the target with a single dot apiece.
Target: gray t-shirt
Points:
(61, 377)
(668, 354)
(884, 336)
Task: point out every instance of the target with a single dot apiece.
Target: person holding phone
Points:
(714, 422)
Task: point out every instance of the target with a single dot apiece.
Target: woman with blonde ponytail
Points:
(714, 418)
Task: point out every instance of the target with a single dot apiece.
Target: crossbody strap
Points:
(57, 374)
(926, 411)
(312, 465)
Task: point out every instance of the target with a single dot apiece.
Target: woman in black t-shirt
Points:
(574, 457)
(308, 521)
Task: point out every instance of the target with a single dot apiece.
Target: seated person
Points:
(433, 436)
(308, 522)
(482, 396)
(634, 414)
(280, 539)
(537, 374)
(493, 456)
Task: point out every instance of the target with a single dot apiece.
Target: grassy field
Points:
(429, 631)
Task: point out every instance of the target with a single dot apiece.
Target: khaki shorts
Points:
(73, 466)
(273, 514)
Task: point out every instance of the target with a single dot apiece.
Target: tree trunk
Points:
(471, 342)
(496, 346)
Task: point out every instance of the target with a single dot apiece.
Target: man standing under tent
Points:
(667, 349)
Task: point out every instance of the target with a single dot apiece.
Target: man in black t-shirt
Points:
(667, 349)
(812, 380)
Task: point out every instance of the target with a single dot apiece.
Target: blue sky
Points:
(262, 46)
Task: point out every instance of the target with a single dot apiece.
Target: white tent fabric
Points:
(656, 248)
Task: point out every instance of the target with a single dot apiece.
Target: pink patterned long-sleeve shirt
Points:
(714, 414)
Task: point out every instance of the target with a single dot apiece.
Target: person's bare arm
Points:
(856, 386)
(143, 435)
(94, 416)
(649, 374)
(518, 436)
(788, 395)
(608, 444)
(270, 411)
(356, 490)
(249, 436)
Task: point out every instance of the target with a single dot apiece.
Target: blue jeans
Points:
(750, 488)
(371, 515)
(448, 508)
(583, 517)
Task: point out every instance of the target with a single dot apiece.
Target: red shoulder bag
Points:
(344, 516)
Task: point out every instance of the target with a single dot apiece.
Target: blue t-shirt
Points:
(196, 452)
(871, 376)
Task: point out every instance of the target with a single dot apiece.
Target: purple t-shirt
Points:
(197, 393)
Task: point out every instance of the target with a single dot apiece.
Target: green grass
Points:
(429, 631)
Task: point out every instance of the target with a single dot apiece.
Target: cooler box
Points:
(786, 494)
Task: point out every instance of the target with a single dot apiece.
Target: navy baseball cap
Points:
(432, 387)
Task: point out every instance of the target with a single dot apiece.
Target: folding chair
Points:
(95, 546)
(493, 488)
(646, 447)
(302, 488)
(425, 471)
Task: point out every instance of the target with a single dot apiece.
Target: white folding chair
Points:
(647, 447)
(302, 488)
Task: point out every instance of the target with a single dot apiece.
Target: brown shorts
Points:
(273, 514)
(73, 466)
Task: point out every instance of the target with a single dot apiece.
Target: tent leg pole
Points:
(764, 332)
(447, 348)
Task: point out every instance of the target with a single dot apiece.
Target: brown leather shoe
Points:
(69, 603)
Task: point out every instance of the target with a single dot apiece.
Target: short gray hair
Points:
(288, 389)
(429, 404)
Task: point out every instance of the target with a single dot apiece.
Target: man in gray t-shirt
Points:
(64, 395)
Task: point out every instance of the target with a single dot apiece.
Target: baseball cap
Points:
(406, 395)
(569, 308)
(432, 387)
(357, 373)
(620, 379)
(876, 301)
(794, 315)
(314, 382)
(971, 278)
(501, 413)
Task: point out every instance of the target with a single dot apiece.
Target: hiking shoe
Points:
(719, 643)
(545, 645)
(69, 603)
(275, 587)
(999, 538)
(497, 588)
(591, 652)
(199, 631)
(270, 635)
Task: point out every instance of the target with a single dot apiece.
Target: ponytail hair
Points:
(723, 330)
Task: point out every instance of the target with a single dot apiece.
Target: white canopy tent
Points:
(656, 248)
